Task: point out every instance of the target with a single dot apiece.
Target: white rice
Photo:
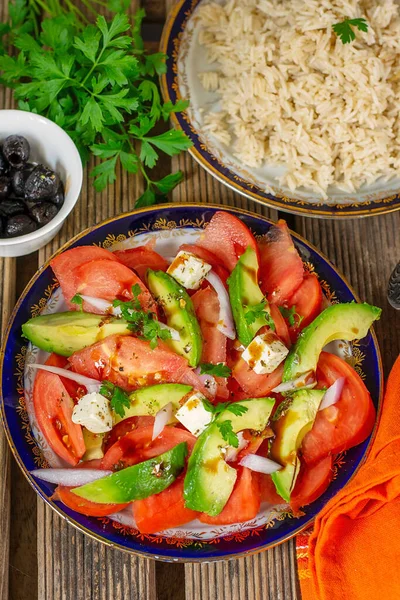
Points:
(292, 93)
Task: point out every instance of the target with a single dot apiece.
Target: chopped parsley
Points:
(119, 399)
(218, 370)
(225, 427)
(291, 315)
(143, 324)
(259, 311)
(345, 30)
(77, 299)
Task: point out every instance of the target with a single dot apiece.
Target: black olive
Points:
(16, 149)
(58, 199)
(44, 212)
(5, 186)
(20, 225)
(11, 207)
(41, 184)
(18, 179)
(3, 163)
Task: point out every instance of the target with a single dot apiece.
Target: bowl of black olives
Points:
(40, 181)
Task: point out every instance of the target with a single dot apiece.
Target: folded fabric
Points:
(353, 552)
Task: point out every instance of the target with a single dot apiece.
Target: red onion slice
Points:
(208, 381)
(305, 381)
(225, 322)
(260, 464)
(333, 393)
(70, 477)
(231, 452)
(163, 417)
(92, 385)
(104, 305)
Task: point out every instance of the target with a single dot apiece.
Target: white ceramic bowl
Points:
(51, 146)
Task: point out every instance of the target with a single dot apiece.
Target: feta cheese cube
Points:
(93, 412)
(193, 415)
(188, 270)
(265, 353)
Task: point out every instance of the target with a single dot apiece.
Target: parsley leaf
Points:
(226, 430)
(142, 323)
(345, 31)
(294, 319)
(77, 299)
(218, 370)
(259, 311)
(119, 399)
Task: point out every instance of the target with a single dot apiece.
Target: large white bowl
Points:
(51, 146)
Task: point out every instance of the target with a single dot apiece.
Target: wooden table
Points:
(43, 557)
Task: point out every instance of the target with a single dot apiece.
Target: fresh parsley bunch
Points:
(98, 83)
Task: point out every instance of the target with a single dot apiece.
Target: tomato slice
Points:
(268, 491)
(138, 446)
(281, 328)
(227, 237)
(140, 259)
(255, 385)
(344, 424)
(53, 410)
(206, 305)
(308, 302)
(311, 482)
(281, 268)
(243, 503)
(163, 511)
(126, 426)
(85, 507)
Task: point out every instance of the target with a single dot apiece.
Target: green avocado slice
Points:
(149, 400)
(209, 480)
(290, 429)
(245, 292)
(67, 332)
(137, 482)
(180, 315)
(337, 322)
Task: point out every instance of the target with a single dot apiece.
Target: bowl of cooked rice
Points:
(292, 103)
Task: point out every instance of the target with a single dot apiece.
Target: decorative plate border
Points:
(170, 44)
(159, 547)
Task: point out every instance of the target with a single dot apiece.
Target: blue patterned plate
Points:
(186, 60)
(197, 542)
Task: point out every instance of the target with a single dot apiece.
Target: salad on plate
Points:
(196, 386)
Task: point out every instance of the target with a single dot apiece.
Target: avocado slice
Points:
(209, 480)
(337, 322)
(67, 332)
(149, 400)
(245, 292)
(290, 429)
(93, 443)
(137, 482)
(180, 314)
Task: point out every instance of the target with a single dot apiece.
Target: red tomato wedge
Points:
(64, 264)
(311, 482)
(281, 268)
(344, 424)
(138, 446)
(126, 426)
(206, 305)
(268, 491)
(85, 507)
(308, 302)
(164, 510)
(53, 410)
(110, 280)
(255, 385)
(243, 503)
(281, 329)
(227, 237)
(131, 363)
(140, 259)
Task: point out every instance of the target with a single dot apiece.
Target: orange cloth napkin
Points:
(353, 553)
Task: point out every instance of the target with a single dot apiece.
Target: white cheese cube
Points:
(93, 412)
(265, 353)
(193, 415)
(188, 270)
